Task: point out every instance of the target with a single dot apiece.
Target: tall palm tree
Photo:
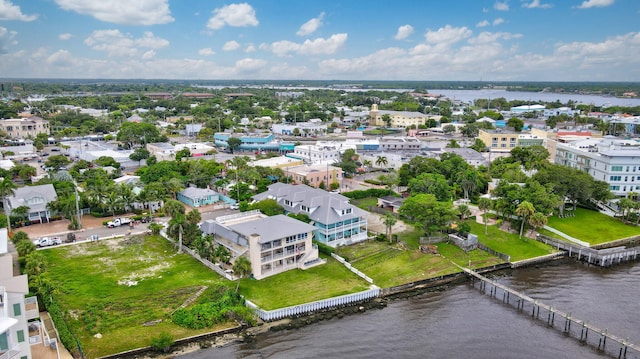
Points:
(173, 185)
(485, 204)
(7, 189)
(126, 196)
(172, 208)
(241, 267)
(177, 224)
(389, 220)
(524, 210)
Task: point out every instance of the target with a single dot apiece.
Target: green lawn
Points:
(113, 287)
(593, 227)
(388, 265)
(365, 203)
(474, 259)
(301, 286)
(509, 243)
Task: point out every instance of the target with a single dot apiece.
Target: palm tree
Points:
(366, 164)
(126, 196)
(177, 224)
(524, 210)
(194, 216)
(112, 202)
(172, 208)
(389, 220)
(537, 220)
(21, 212)
(241, 267)
(485, 204)
(381, 161)
(7, 189)
(173, 186)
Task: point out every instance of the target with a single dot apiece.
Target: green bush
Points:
(162, 342)
(324, 249)
(371, 192)
(205, 315)
(371, 181)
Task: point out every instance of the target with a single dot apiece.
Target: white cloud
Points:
(207, 51)
(236, 15)
(249, 65)
(9, 11)
(319, 46)
(498, 21)
(250, 48)
(138, 12)
(501, 6)
(483, 23)
(487, 37)
(6, 37)
(310, 26)
(447, 35)
(61, 58)
(231, 46)
(65, 36)
(149, 55)
(403, 32)
(535, 4)
(587, 4)
(115, 43)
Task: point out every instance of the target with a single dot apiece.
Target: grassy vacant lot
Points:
(509, 243)
(474, 259)
(389, 266)
(365, 203)
(301, 286)
(593, 227)
(113, 287)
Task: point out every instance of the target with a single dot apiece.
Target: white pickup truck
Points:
(118, 222)
(47, 241)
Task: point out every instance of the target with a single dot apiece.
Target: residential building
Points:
(36, 198)
(320, 153)
(15, 309)
(336, 221)
(608, 159)
(399, 118)
(314, 175)
(501, 140)
(386, 160)
(471, 156)
(24, 127)
(311, 128)
(399, 144)
(254, 142)
(552, 137)
(197, 197)
(273, 244)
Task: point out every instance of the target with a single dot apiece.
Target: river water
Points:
(462, 322)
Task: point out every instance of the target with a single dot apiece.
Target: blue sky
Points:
(505, 40)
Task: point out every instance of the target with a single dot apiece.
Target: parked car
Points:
(118, 222)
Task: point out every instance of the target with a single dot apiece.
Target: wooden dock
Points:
(621, 347)
(601, 257)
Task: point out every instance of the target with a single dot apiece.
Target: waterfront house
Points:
(273, 244)
(336, 221)
(36, 198)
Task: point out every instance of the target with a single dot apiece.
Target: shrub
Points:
(324, 249)
(371, 192)
(162, 342)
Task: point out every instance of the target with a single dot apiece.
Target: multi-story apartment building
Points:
(273, 244)
(314, 175)
(399, 118)
(320, 153)
(22, 128)
(336, 221)
(15, 310)
(501, 140)
(614, 161)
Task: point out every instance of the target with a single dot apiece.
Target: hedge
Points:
(371, 192)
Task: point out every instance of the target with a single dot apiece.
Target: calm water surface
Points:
(461, 322)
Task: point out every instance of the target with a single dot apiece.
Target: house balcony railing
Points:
(31, 308)
(12, 352)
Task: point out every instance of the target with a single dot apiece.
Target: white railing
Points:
(12, 352)
(351, 268)
(335, 302)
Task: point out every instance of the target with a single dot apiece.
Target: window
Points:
(615, 178)
(614, 188)
(20, 335)
(16, 310)
(616, 168)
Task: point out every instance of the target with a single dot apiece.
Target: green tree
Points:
(381, 161)
(524, 210)
(389, 221)
(139, 154)
(56, 162)
(234, 143)
(427, 212)
(485, 205)
(515, 123)
(269, 207)
(241, 268)
(7, 189)
(537, 220)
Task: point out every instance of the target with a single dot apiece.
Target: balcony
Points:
(12, 352)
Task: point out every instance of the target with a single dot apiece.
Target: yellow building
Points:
(24, 127)
(399, 118)
(499, 140)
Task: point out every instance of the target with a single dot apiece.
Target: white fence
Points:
(351, 268)
(335, 302)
